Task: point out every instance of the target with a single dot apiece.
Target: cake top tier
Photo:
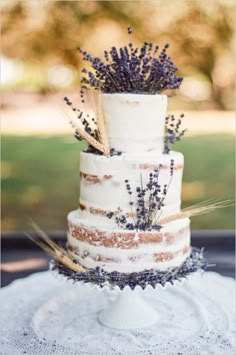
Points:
(131, 81)
(135, 123)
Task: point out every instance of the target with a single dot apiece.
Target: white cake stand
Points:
(129, 309)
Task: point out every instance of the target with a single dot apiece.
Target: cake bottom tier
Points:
(128, 251)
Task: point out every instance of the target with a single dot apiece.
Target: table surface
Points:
(21, 257)
(194, 318)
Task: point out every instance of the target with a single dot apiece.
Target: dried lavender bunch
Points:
(149, 203)
(93, 130)
(129, 69)
(86, 120)
(173, 133)
(195, 262)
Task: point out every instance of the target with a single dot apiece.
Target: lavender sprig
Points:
(129, 69)
(86, 121)
(149, 203)
(173, 133)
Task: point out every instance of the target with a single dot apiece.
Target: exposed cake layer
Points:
(128, 251)
(103, 187)
(135, 123)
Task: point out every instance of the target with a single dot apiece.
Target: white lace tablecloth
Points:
(44, 315)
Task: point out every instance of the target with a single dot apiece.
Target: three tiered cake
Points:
(129, 217)
(126, 197)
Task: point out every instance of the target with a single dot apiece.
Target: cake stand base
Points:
(128, 311)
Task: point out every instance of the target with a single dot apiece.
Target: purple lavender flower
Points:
(149, 203)
(196, 261)
(173, 133)
(129, 69)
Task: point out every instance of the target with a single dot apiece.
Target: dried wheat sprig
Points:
(92, 96)
(81, 131)
(196, 210)
(54, 250)
(102, 131)
(201, 204)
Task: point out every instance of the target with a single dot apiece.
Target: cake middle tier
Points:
(103, 188)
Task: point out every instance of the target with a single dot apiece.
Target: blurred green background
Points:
(40, 65)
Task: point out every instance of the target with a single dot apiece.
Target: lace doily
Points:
(43, 315)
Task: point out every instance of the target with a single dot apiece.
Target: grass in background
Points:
(40, 179)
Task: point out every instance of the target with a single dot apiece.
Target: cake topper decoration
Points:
(131, 69)
(127, 69)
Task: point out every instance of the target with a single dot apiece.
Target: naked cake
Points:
(130, 180)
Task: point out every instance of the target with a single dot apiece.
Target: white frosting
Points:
(109, 192)
(143, 253)
(135, 123)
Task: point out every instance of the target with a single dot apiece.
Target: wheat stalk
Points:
(78, 127)
(103, 137)
(54, 250)
(196, 210)
(103, 143)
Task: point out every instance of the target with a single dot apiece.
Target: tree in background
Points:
(201, 37)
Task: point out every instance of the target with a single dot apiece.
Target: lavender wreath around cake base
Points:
(195, 262)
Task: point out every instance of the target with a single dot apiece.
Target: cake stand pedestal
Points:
(128, 311)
